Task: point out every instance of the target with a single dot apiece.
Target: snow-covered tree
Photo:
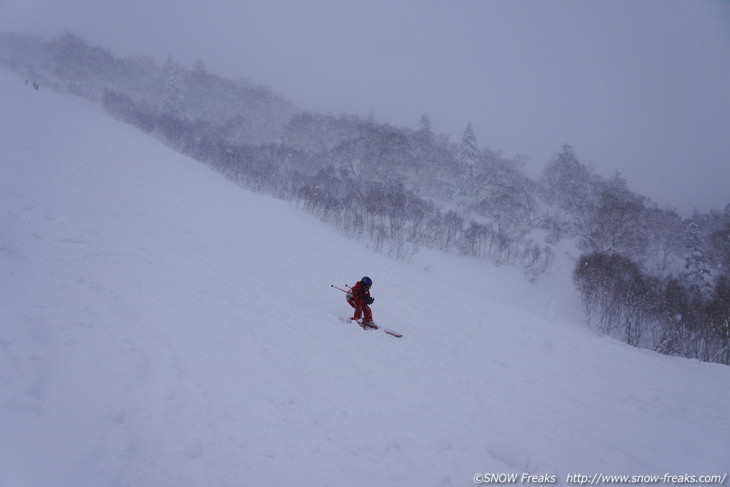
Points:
(664, 254)
(425, 130)
(721, 242)
(503, 192)
(469, 152)
(173, 96)
(468, 160)
(567, 181)
(698, 274)
(614, 223)
(199, 66)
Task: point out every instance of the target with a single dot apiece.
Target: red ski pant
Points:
(361, 310)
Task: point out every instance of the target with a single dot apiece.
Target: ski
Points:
(374, 326)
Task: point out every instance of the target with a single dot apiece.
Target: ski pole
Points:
(340, 289)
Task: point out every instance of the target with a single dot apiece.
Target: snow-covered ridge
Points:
(160, 326)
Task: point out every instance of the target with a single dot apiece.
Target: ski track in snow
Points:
(161, 326)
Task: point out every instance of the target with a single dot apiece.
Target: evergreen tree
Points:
(425, 131)
(698, 274)
(173, 95)
(469, 152)
(199, 66)
(721, 242)
(568, 182)
(423, 153)
(468, 160)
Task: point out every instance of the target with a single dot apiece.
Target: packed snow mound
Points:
(161, 326)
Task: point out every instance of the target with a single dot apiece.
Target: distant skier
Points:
(359, 298)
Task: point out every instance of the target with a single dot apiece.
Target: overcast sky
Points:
(639, 86)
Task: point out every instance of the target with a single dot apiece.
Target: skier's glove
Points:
(369, 300)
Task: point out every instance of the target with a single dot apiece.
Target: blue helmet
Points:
(366, 282)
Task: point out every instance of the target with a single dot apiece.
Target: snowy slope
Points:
(162, 327)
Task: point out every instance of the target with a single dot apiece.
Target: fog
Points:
(639, 87)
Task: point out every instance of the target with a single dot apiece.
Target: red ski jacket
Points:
(357, 294)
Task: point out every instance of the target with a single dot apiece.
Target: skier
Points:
(359, 298)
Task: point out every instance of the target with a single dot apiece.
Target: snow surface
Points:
(160, 326)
